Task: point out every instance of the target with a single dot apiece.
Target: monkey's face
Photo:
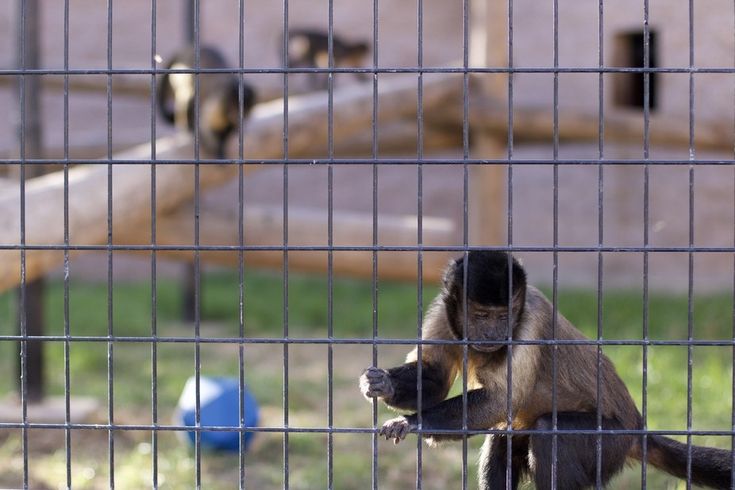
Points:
(487, 324)
(488, 319)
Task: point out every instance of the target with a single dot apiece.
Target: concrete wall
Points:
(714, 47)
(714, 31)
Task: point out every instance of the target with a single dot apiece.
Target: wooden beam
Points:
(263, 227)
(131, 85)
(352, 115)
(88, 205)
(489, 48)
(130, 195)
(536, 124)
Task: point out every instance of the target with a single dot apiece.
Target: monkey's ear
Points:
(451, 272)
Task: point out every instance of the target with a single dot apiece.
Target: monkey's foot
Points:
(396, 429)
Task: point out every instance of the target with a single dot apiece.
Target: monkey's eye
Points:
(481, 314)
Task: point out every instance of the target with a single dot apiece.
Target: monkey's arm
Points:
(398, 387)
(448, 415)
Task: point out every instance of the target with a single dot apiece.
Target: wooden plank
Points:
(131, 185)
(263, 227)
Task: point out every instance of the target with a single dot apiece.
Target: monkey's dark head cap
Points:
(487, 278)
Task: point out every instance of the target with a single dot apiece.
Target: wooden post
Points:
(488, 48)
(306, 227)
(487, 206)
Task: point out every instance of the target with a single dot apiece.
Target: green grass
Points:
(308, 316)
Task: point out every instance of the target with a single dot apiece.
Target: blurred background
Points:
(578, 138)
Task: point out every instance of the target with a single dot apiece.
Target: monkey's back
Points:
(573, 370)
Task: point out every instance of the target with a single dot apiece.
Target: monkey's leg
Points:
(449, 416)
(494, 462)
(576, 454)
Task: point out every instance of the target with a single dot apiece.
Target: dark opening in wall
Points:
(629, 88)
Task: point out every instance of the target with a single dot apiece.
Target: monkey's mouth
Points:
(488, 347)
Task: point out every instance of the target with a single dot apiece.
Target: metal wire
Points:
(67, 324)
(374, 272)
(375, 238)
(509, 364)
(154, 257)
(110, 252)
(359, 341)
(285, 250)
(241, 240)
(349, 430)
(22, 317)
(600, 231)
(646, 222)
(555, 267)
(420, 237)
(690, 285)
(27, 159)
(382, 161)
(330, 244)
(394, 70)
(367, 248)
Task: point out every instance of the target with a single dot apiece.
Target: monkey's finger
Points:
(370, 389)
(373, 390)
(376, 374)
(378, 387)
(388, 432)
(397, 430)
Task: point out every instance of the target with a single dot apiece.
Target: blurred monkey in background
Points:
(309, 48)
(218, 94)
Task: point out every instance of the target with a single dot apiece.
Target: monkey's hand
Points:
(376, 383)
(397, 429)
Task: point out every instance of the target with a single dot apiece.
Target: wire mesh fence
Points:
(305, 379)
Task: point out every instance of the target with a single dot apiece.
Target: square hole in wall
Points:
(629, 88)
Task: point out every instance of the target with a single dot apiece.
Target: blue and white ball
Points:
(219, 406)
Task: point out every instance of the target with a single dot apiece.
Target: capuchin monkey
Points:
(310, 49)
(219, 99)
(529, 318)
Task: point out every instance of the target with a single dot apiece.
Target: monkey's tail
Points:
(710, 467)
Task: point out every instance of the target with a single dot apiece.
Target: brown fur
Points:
(559, 379)
(531, 368)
